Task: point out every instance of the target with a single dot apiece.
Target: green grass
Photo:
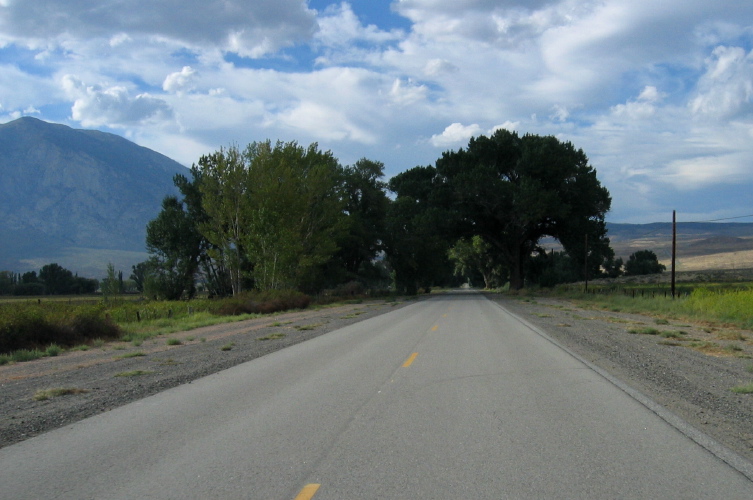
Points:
(53, 350)
(227, 347)
(134, 373)
(743, 389)
(720, 304)
(672, 334)
(174, 342)
(45, 394)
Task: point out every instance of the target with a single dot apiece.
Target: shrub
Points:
(266, 302)
(35, 326)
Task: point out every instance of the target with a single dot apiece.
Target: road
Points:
(448, 398)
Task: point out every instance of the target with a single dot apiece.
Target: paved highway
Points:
(448, 398)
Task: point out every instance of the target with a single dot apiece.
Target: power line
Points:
(726, 218)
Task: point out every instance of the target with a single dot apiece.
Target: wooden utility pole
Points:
(674, 248)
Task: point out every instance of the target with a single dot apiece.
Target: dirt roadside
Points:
(693, 384)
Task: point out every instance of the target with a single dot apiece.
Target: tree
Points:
(57, 280)
(643, 262)
(295, 213)
(175, 244)
(224, 194)
(514, 190)
(474, 256)
(110, 286)
(366, 205)
(419, 230)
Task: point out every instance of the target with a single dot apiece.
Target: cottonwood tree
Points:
(175, 244)
(225, 197)
(514, 190)
(294, 213)
(365, 207)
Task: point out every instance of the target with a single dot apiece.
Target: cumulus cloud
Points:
(112, 106)
(179, 81)
(455, 134)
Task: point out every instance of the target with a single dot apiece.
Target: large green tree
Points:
(175, 244)
(294, 216)
(419, 230)
(224, 198)
(365, 206)
(514, 190)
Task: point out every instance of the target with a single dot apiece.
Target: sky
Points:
(658, 94)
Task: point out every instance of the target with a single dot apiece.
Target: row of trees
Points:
(52, 279)
(270, 216)
(286, 216)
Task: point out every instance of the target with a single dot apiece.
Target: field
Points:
(39, 327)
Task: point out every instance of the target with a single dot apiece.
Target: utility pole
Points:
(674, 248)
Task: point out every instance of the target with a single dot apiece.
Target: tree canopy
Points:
(280, 215)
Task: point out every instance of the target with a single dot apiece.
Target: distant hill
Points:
(700, 245)
(81, 198)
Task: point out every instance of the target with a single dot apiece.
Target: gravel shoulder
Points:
(694, 384)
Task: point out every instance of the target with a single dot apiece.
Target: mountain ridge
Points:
(65, 190)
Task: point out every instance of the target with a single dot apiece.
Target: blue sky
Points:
(658, 94)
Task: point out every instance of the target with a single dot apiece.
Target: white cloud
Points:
(409, 92)
(179, 81)
(112, 106)
(726, 89)
(456, 134)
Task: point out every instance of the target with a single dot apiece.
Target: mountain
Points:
(81, 198)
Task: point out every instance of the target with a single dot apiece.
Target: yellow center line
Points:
(434, 328)
(308, 492)
(444, 315)
(410, 360)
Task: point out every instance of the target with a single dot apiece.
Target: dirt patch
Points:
(93, 387)
(688, 368)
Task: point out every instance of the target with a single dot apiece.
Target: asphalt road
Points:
(449, 398)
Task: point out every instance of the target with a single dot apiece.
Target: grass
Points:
(134, 373)
(722, 304)
(174, 342)
(743, 389)
(227, 347)
(672, 334)
(45, 394)
(309, 327)
(135, 354)
(273, 336)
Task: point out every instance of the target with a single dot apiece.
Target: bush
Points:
(33, 326)
(266, 302)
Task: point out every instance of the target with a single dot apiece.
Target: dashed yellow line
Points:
(410, 360)
(434, 328)
(308, 492)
